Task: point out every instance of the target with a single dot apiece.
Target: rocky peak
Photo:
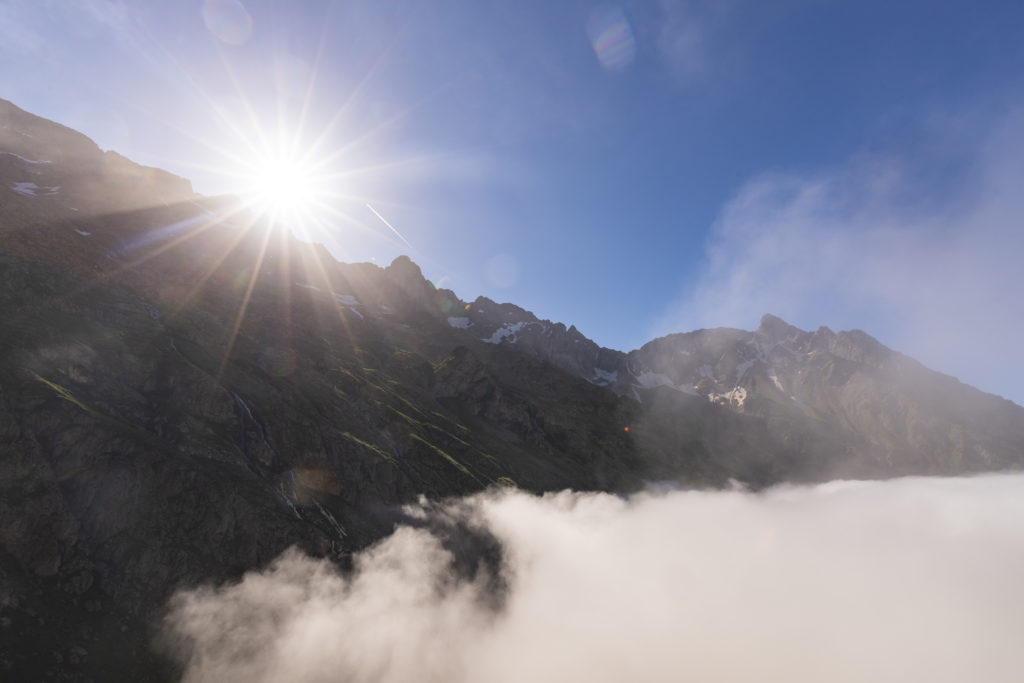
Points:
(502, 324)
(409, 278)
(484, 310)
(819, 340)
(777, 330)
(405, 272)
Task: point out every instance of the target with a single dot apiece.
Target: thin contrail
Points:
(385, 222)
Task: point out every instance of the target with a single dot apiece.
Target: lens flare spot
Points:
(612, 39)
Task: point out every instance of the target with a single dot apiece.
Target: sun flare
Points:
(284, 187)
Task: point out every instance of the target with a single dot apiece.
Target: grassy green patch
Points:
(450, 421)
(68, 396)
(462, 468)
(368, 446)
(115, 423)
(434, 427)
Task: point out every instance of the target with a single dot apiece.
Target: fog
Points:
(907, 580)
(892, 241)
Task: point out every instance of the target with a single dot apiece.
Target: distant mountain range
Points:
(185, 393)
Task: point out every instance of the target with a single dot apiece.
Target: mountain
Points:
(187, 391)
(827, 404)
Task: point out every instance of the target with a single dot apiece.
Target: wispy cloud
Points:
(870, 244)
(910, 580)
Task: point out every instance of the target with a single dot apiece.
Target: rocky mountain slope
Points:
(836, 404)
(186, 391)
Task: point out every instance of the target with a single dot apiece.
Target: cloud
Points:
(906, 580)
(925, 263)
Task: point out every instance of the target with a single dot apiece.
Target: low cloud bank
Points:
(906, 580)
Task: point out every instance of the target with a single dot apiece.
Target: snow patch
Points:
(83, 233)
(346, 299)
(27, 161)
(773, 376)
(307, 286)
(733, 398)
(33, 190)
(604, 378)
(649, 380)
(338, 529)
(289, 502)
(460, 323)
(509, 332)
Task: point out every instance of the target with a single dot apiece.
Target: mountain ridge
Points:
(187, 391)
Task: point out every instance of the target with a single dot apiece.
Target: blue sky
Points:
(633, 169)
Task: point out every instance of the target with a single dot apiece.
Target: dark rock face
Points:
(139, 454)
(175, 408)
(849, 405)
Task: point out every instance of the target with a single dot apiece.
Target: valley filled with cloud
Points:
(905, 580)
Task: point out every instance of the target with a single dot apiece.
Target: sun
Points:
(298, 178)
(284, 187)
